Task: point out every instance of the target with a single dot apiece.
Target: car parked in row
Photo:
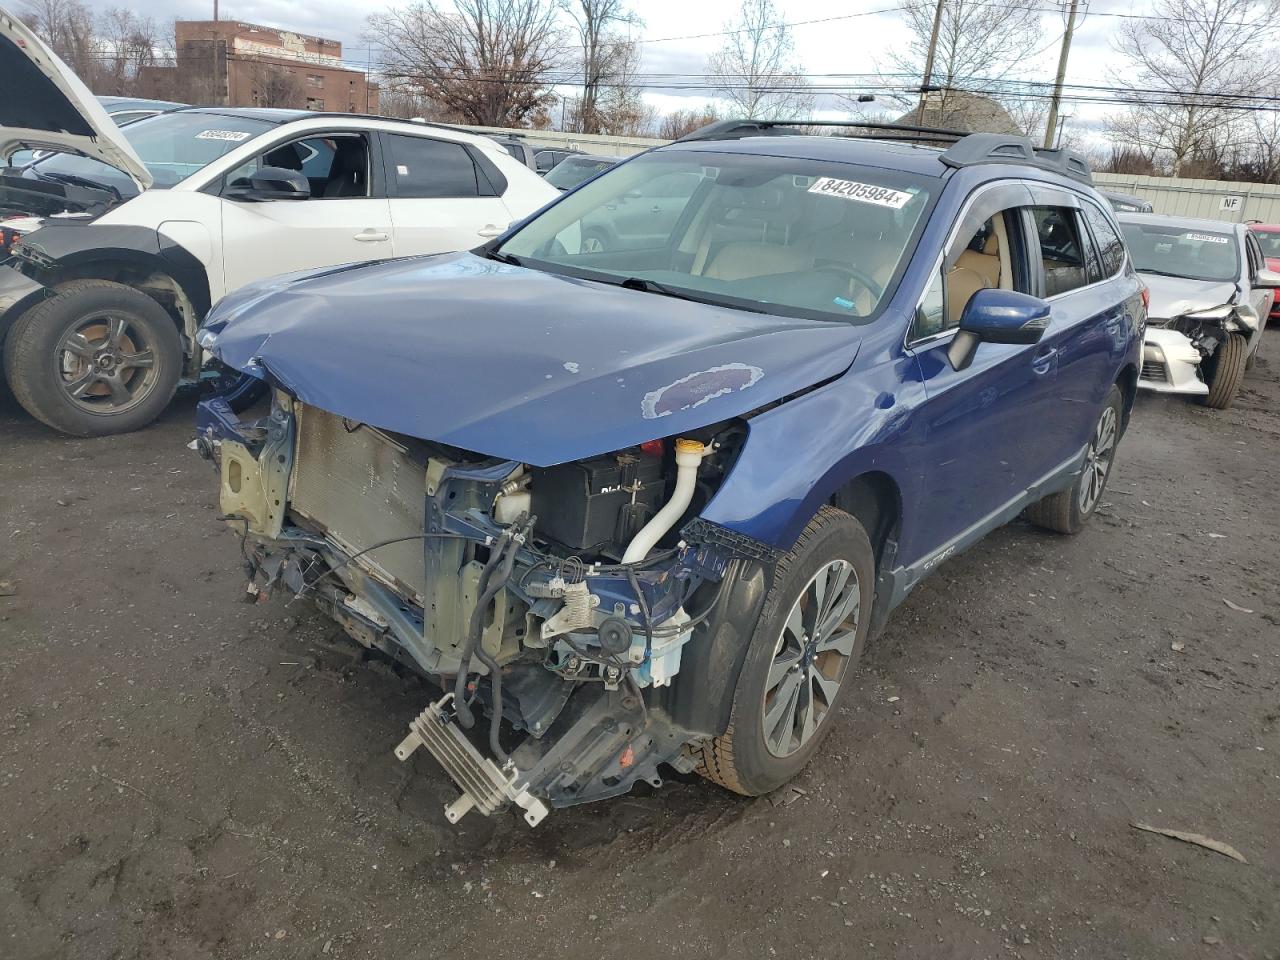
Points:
(1126, 202)
(1211, 294)
(121, 110)
(571, 171)
(643, 503)
(131, 233)
(1268, 237)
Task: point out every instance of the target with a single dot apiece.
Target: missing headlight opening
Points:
(552, 605)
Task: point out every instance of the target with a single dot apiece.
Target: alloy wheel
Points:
(1097, 460)
(811, 657)
(106, 364)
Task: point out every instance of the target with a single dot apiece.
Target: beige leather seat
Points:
(743, 259)
(972, 272)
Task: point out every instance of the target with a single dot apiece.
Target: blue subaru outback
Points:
(633, 483)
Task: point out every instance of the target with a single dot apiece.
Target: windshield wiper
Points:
(653, 286)
(501, 257)
(73, 180)
(1179, 276)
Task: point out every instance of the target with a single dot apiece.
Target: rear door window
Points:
(1062, 250)
(420, 167)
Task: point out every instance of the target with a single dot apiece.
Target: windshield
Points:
(1269, 242)
(172, 146)
(573, 170)
(782, 235)
(1180, 251)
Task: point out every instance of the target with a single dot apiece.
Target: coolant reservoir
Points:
(511, 506)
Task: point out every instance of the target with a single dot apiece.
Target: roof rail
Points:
(737, 129)
(979, 148)
(966, 149)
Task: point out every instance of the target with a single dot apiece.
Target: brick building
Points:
(231, 63)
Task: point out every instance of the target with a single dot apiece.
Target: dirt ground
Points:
(186, 776)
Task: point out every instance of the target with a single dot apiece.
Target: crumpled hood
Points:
(516, 363)
(1173, 296)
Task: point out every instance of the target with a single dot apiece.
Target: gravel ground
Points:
(186, 776)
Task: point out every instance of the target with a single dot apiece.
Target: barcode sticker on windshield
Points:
(862, 192)
(235, 136)
(1205, 238)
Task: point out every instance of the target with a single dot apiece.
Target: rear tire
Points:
(96, 358)
(799, 662)
(1069, 510)
(1226, 370)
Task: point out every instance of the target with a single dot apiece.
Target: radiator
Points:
(360, 487)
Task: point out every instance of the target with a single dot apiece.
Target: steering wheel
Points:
(859, 277)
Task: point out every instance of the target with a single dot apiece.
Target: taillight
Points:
(8, 236)
(1146, 297)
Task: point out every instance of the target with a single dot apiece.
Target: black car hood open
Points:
(25, 194)
(513, 362)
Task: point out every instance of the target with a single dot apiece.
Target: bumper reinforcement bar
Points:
(484, 786)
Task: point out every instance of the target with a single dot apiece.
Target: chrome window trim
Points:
(1032, 186)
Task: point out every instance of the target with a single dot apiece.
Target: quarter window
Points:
(1110, 246)
(425, 168)
(1061, 250)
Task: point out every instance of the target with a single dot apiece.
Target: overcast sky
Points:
(841, 46)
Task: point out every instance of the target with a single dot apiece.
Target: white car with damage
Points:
(120, 244)
(1211, 293)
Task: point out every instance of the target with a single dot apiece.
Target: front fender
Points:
(18, 294)
(800, 453)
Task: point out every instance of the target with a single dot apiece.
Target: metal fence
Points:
(1208, 199)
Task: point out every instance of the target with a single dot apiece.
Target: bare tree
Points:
(618, 108)
(1264, 146)
(977, 43)
(679, 123)
(602, 27)
(129, 43)
(69, 28)
(1186, 65)
(756, 70)
(486, 62)
(1029, 115)
(275, 85)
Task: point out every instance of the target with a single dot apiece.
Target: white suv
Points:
(121, 242)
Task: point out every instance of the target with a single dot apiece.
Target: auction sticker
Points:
(1205, 238)
(235, 136)
(862, 192)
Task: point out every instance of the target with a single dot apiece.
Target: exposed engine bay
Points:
(560, 598)
(1177, 351)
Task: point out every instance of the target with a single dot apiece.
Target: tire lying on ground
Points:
(1068, 510)
(1225, 371)
(801, 658)
(96, 358)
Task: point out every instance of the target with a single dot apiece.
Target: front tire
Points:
(96, 358)
(1226, 370)
(1069, 510)
(802, 655)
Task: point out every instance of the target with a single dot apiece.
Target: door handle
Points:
(491, 230)
(1043, 360)
(371, 236)
(655, 209)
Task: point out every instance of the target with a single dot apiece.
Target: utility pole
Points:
(215, 10)
(928, 62)
(1051, 125)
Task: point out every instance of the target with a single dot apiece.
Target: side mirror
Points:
(1267, 278)
(272, 183)
(997, 316)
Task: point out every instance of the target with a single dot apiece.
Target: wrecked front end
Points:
(1177, 352)
(561, 599)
